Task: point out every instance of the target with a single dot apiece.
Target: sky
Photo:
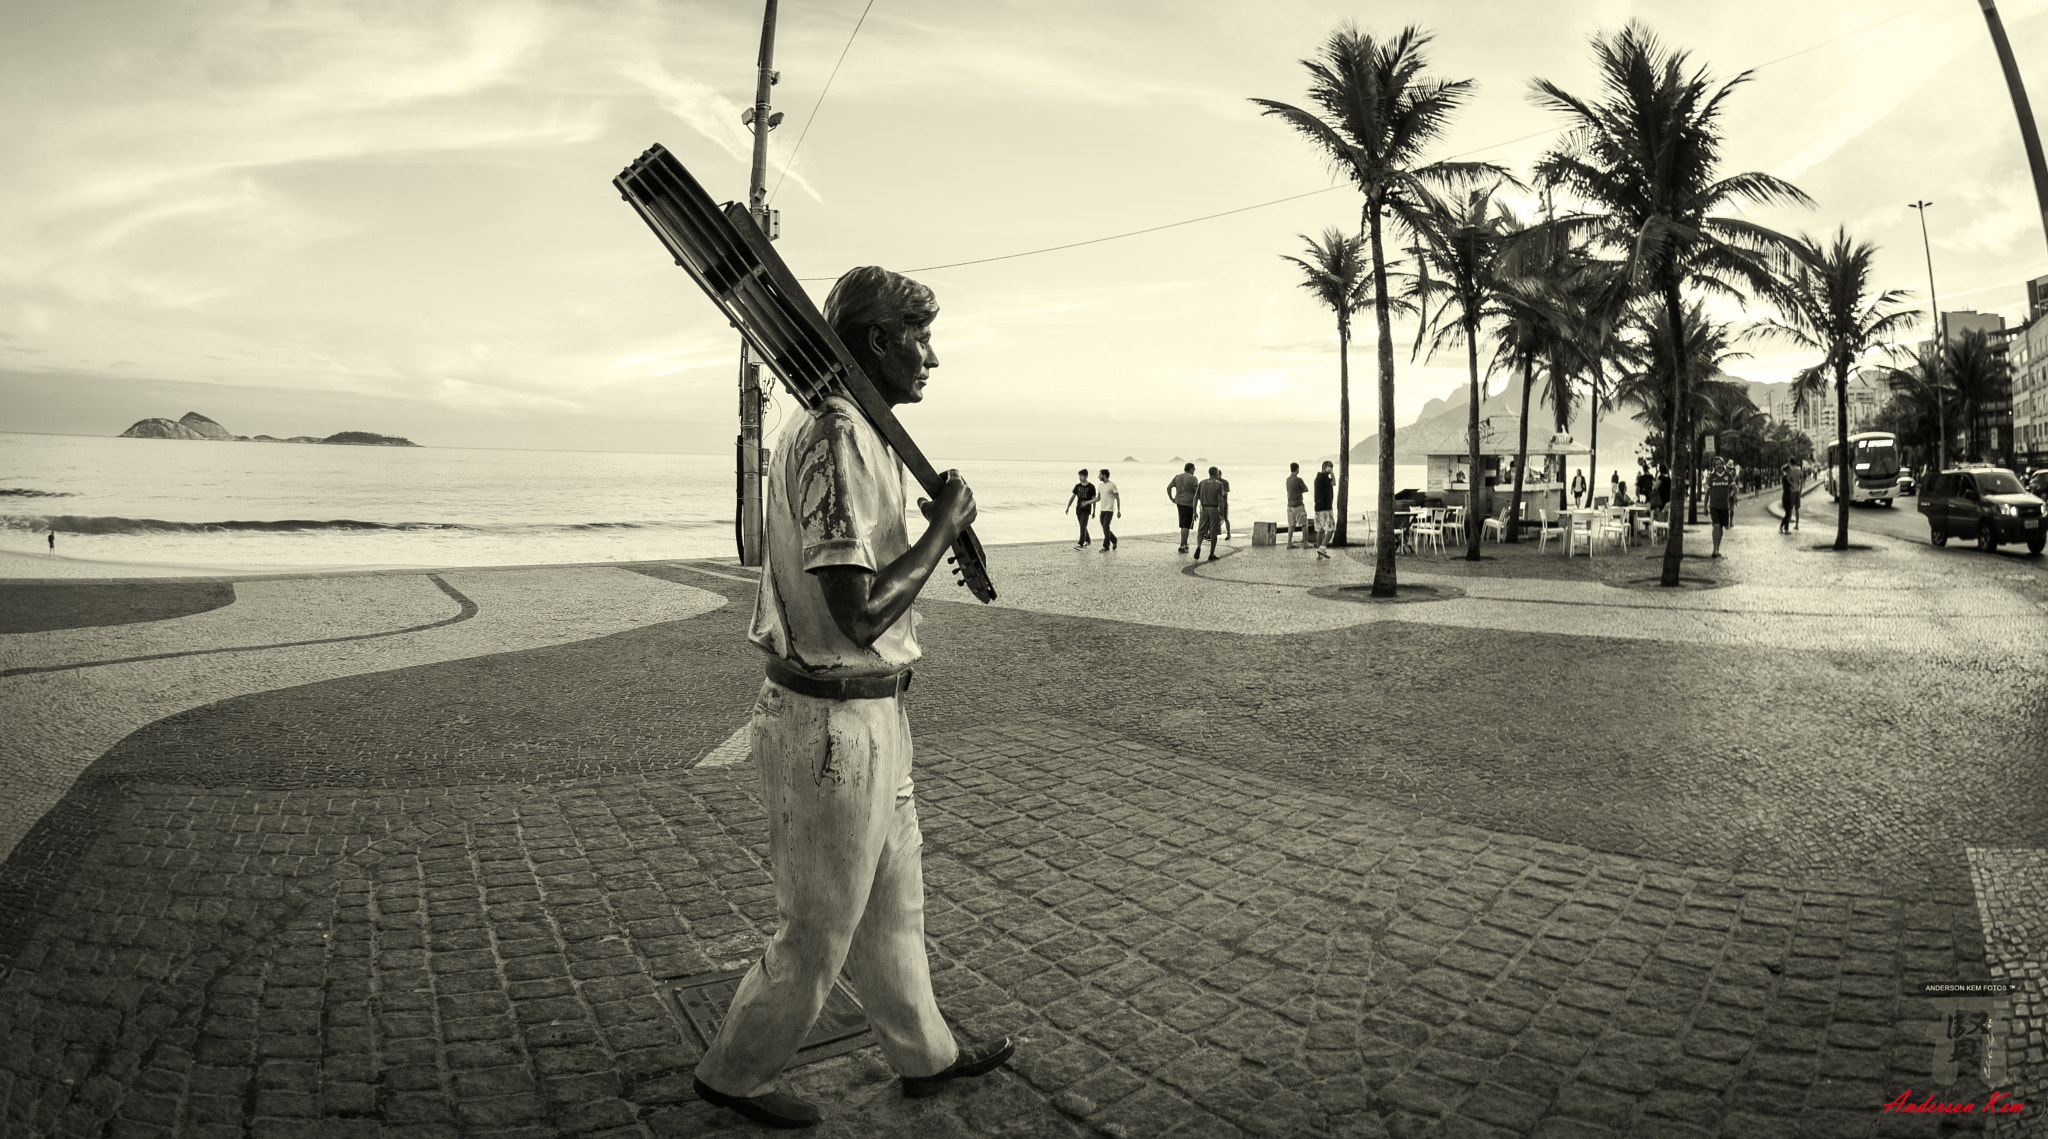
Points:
(302, 218)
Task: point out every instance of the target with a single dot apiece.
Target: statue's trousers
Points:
(842, 833)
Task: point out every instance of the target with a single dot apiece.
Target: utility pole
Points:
(2030, 135)
(752, 458)
(1934, 362)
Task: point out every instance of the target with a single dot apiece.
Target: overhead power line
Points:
(805, 133)
(1309, 193)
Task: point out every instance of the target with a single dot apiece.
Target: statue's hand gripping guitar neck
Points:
(731, 260)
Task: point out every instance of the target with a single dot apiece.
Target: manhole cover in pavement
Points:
(1404, 593)
(841, 1026)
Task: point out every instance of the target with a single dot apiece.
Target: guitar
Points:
(730, 259)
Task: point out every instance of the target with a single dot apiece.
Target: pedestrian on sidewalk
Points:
(1297, 514)
(1720, 501)
(1579, 488)
(1082, 502)
(1646, 486)
(829, 734)
(1663, 491)
(1326, 514)
(1181, 492)
(1794, 477)
(1227, 535)
(1209, 496)
(1111, 503)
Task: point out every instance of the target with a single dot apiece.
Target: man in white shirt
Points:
(1108, 502)
(829, 734)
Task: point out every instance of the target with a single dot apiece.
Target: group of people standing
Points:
(1204, 508)
(1104, 502)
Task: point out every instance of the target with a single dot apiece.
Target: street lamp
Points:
(1934, 311)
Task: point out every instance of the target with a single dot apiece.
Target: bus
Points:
(1874, 462)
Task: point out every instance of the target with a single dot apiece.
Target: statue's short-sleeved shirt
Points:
(834, 498)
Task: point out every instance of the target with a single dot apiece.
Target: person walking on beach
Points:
(1082, 501)
(1326, 514)
(829, 734)
(1720, 502)
(1578, 489)
(1181, 492)
(1209, 496)
(1297, 514)
(1111, 503)
(53, 543)
(1227, 535)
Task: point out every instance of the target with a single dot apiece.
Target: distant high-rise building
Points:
(2037, 296)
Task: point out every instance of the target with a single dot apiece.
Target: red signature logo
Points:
(1990, 1106)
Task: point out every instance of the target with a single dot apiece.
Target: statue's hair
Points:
(872, 296)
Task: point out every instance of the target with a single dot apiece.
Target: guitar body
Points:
(732, 261)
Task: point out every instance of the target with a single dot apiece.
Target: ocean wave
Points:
(82, 524)
(25, 492)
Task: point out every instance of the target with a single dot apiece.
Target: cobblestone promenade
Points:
(1233, 850)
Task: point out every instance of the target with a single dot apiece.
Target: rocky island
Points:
(197, 426)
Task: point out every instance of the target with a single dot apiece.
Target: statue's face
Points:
(904, 360)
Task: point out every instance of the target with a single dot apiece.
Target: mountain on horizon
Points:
(1442, 423)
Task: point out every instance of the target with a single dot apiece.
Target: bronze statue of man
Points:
(829, 734)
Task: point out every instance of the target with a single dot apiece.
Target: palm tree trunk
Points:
(1472, 486)
(1522, 448)
(1384, 583)
(1842, 483)
(1593, 454)
(1674, 546)
(1343, 425)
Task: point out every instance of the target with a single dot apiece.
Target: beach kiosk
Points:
(1544, 483)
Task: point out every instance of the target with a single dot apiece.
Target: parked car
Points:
(1986, 503)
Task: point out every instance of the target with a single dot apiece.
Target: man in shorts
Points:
(1227, 535)
(1326, 513)
(1181, 492)
(829, 735)
(1081, 502)
(1720, 502)
(1209, 496)
(1297, 514)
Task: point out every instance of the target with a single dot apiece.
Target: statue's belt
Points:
(851, 688)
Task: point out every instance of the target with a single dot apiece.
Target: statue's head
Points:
(885, 320)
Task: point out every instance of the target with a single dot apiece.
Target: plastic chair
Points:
(1429, 527)
(1454, 525)
(1615, 525)
(1546, 530)
(1576, 533)
(1496, 526)
(1660, 525)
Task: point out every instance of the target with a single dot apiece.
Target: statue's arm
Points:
(864, 604)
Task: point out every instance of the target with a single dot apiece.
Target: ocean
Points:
(191, 503)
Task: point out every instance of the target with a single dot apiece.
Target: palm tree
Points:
(1591, 307)
(1828, 306)
(1643, 161)
(1461, 242)
(1645, 382)
(1525, 338)
(1375, 115)
(1334, 272)
(1977, 373)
